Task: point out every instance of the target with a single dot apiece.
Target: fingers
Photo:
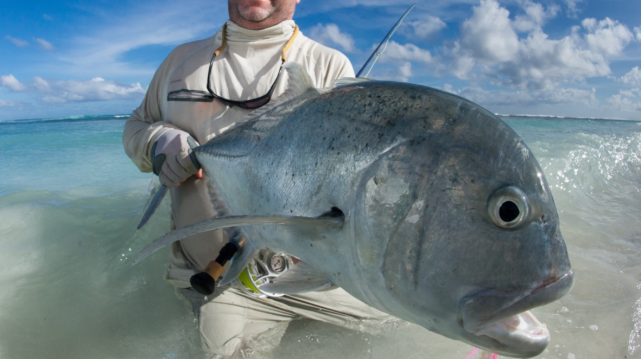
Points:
(171, 153)
(184, 161)
(174, 172)
(168, 177)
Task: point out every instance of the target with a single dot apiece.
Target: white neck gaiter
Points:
(249, 65)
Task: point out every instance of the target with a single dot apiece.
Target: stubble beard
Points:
(254, 15)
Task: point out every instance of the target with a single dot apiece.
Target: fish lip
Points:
(480, 310)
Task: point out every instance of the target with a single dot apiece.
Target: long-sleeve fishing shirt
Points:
(245, 70)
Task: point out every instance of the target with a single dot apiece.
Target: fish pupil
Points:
(509, 211)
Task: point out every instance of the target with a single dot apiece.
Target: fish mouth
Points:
(504, 317)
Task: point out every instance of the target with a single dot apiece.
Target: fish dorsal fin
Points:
(332, 219)
(298, 83)
(345, 81)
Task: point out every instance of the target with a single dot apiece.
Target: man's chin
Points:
(255, 13)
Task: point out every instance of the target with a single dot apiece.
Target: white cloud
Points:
(535, 16)
(573, 9)
(97, 89)
(11, 82)
(40, 84)
(17, 42)
(488, 35)
(47, 17)
(462, 62)
(630, 93)
(623, 102)
(537, 99)
(633, 77)
(490, 44)
(399, 59)
(425, 28)
(396, 52)
(404, 72)
(544, 63)
(637, 32)
(7, 103)
(172, 23)
(44, 44)
(330, 35)
(607, 36)
(401, 72)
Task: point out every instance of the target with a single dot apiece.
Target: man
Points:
(184, 101)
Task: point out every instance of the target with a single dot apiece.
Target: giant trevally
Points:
(445, 218)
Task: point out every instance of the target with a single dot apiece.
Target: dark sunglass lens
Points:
(255, 104)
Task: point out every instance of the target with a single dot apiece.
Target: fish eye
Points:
(508, 207)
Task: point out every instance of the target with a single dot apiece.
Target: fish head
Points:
(456, 230)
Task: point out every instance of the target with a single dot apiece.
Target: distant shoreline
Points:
(126, 116)
(69, 119)
(565, 117)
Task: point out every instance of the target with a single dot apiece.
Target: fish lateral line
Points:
(334, 218)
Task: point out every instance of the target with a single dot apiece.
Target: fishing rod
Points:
(385, 41)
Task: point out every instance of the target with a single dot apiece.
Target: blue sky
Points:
(578, 58)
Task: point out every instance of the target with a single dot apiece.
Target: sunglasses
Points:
(202, 96)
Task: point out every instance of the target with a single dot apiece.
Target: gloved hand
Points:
(171, 157)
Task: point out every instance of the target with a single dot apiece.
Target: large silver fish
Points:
(446, 219)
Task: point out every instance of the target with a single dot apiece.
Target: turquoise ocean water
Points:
(70, 200)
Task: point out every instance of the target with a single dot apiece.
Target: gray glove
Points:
(172, 158)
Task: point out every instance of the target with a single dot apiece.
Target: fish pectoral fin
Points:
(332, 219)
(299, 83)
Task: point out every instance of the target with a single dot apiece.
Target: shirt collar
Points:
(236, 33)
